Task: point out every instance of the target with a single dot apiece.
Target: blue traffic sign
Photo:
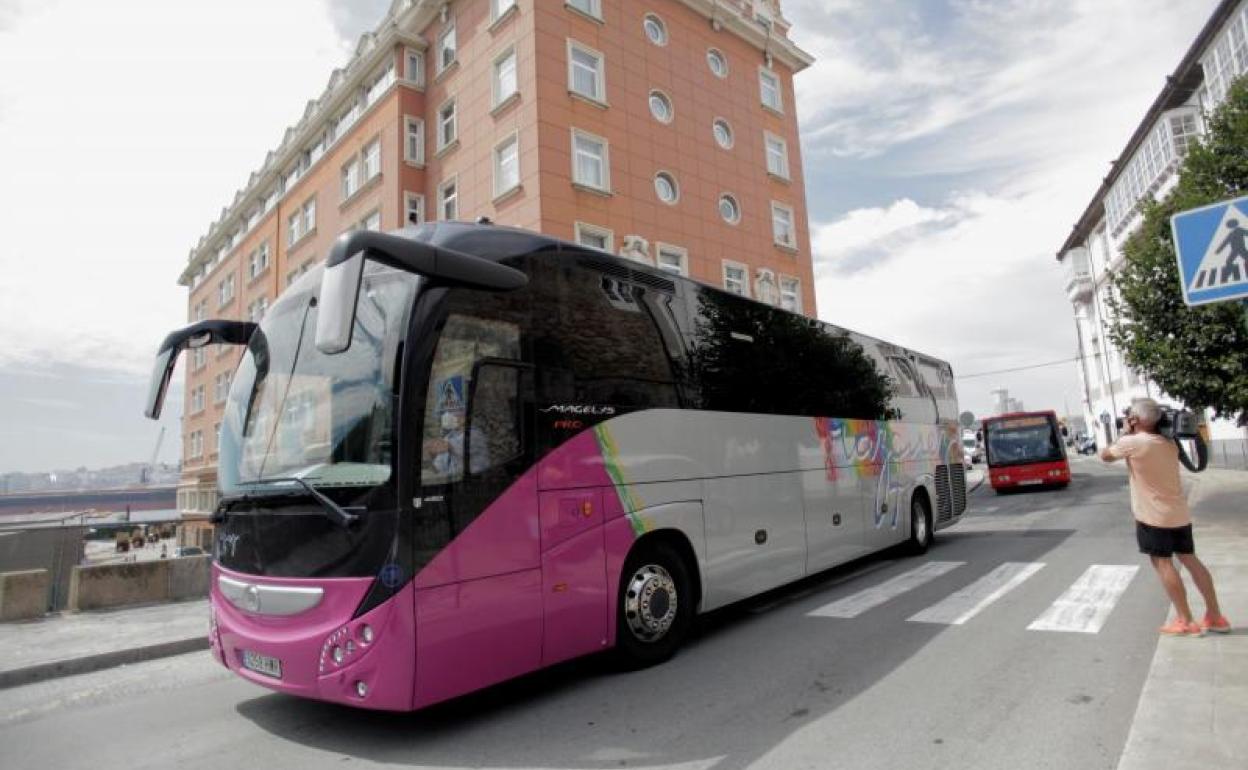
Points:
(1211, 243)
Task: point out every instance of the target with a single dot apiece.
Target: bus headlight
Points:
(338, 654)
(366, 633)
(361, 689)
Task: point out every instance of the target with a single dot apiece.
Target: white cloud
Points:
(124, 129)
(863, 238)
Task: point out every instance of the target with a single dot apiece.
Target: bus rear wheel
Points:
(655, 608)
(920, 525)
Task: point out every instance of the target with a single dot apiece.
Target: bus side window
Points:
(496, 419)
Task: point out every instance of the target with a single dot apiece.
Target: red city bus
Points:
(1025, 449)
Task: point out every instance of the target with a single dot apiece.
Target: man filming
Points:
(1163, 522)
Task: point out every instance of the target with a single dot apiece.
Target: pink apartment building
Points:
(661, 130)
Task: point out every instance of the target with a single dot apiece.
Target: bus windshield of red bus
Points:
(1021, 440)
(326, 419)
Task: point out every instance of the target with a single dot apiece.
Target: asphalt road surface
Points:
(1020, 640)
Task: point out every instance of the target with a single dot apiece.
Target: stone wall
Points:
(24, 595)
(116, 585)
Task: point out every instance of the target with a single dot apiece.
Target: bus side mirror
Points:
(197, 335)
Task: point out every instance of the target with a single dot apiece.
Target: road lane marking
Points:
(959, 607)
(855, 604)
(1087, 603)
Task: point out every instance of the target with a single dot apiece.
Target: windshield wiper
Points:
(333, 511)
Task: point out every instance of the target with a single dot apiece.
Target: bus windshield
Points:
(325, 419)
(1021, 440)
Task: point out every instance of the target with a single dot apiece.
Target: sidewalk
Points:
(77, 643)
(1192, 709)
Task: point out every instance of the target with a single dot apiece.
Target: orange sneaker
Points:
(1218, 625)
(1179, 627)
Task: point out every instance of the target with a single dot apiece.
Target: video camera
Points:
(1178, 425)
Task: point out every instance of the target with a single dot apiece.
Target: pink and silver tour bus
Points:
(459, 452)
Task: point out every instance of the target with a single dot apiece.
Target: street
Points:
(835, 671)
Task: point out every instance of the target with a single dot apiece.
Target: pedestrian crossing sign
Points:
(1211, 244)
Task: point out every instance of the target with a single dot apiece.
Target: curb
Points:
(88, 663)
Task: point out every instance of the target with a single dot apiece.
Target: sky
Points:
(948, 147)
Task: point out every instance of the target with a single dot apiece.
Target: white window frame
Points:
(585, 228)
(715, 52)
(675, 187)
(732, 135)
(372, 148)
(783, 172)
(308, 209)
(413, 127)
(419, 200)
(350, 178)
(605, 160)
(442, 199)
(443, 142)
(500, 8)
(499, 96)
(795, 292)
(225, 290)
(411, 55)
(668, 249)
(258, 261)
(667, 100)
(593, 9)
(736, 204)
(778, 206)
(765, 73)
(745, 277)
(514, 140)
(666, 35)
(600, 72)
(363, 223)
(448, 33)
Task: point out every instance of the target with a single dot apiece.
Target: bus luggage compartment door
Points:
(574, 579)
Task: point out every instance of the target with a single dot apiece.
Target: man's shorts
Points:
(1164, 541)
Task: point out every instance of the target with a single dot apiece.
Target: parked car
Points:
(972, 449)
(1085, 445)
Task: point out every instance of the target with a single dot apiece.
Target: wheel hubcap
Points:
(650, 603)
(920, 524)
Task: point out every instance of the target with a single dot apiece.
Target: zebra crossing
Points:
(1084, 607)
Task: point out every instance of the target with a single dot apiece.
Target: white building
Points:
(1147, 167)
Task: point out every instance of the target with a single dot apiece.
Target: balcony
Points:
(1078, 275)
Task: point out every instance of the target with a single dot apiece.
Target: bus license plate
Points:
(1030, 482)
(262, 664)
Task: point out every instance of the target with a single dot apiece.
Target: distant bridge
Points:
(138, 499)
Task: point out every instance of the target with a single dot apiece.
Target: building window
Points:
(257, 309)
(665, 187)
(499, 8)
(371, 222)
(225, 291)
(507, 166)
(505, 77)
(302, 222)
(414, 144)
(414, 208)
(448, 130)
(198, 359)
(196, 440)
(716, 61)
(197, 399)
(782, 225)
(656, 31)
(769, 88)
(736, 278)
(295, 274)
(259, 260)
(790, 294)
(661, 107)
(590, 161)
(586, 72)
(370, 160)
(414, 61)
(723, 133)
(673, 259)
(448, 200)
(446, 48)
(729, 209)
(591, 8)
(777, 155)
(595, 237)
(351, 178)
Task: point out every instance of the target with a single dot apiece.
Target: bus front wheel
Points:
(655, 609)
(920, 524)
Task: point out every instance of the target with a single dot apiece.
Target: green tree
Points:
(1200, 354)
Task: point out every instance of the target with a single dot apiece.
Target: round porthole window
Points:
(665, 187)
(723, 133)
(661, 107)
(656, 31)
(716, 61)
(729, 209)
